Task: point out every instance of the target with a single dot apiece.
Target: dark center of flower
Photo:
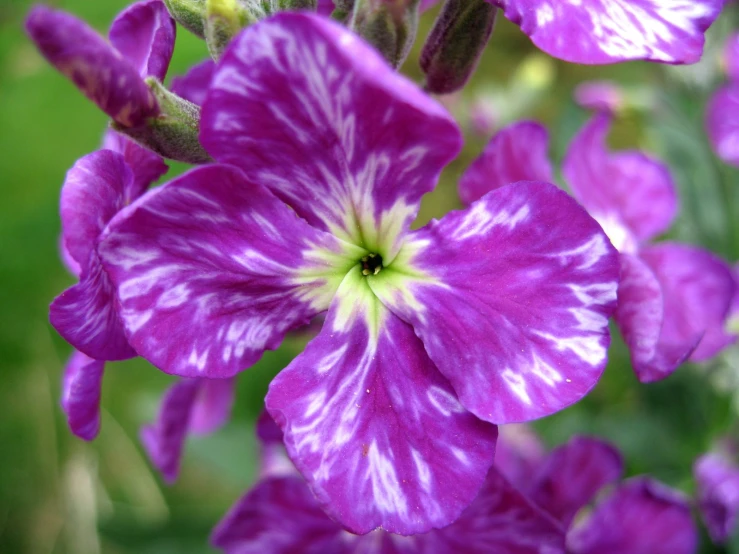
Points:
(371, 264)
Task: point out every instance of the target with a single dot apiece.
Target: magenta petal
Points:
(571, 476)
(94, 66)
(213, 406)
(85, 315)
(698, 289)
(516, 153)
(193, 85)
(628, 187)
(518, 453)
(608, 31)
(146, 166)
(311, 111)
(145, 33)
(164, 440)
(718, 495)
(641, 318)
(722, 123)
(642, 516)
(81, 395)
(374, 428)
(69, 262)
(501, 520)
(95, 189)
(209, 272)
(279, 516)
(325, 7)
(514, 304)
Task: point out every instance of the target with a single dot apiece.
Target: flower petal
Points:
(81, 395)
(641, 316)
(511, 299)
(213, 406)
(601, 96)
(731, 56)
(517, 152)
(85, 315)
(718, 495)
(641, 517)
(279, 516)
(164, 440)
(629, 187)
(147, 167)
(518, 453)
(373, 427)
(94, 191)
(312, 112)
(571, 476)
(698, 288)
(722, 123)
(193, 85)
(145, 33)
(212, 270)
(608, 31)
(94, 66)
(500, 520)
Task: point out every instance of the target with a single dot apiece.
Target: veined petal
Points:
(718, 495)
(146, 166)
(517, 152)
(609, 31)
(211, 270)
(81, 394)
(373, 426)
(85, 315)
(309, 110)
(511, 299)
(94, 191)
(642, 516)
(698, 289)
(164, 439)
(193, 85)
(628, 188)
(145, 33)
(212, 408)
(571, 476)
(500, 520)
(93, 65)
(722, 123)
(641, 318)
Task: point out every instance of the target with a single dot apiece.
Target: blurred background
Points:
(59, 494)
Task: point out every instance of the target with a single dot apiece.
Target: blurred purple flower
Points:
(601, 96)
(425, 340)
(722, 112)
(717, 480)
(674, 299)
(280, 515)
(110, 74)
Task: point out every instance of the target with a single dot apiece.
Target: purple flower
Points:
(673, 299)
(193, 86)
(717, 480)
(493, 314)
(281, 515)
(722, 112)
(609, 31)
(638, 516)
(198, 406)
(110, 74)
(603, 96)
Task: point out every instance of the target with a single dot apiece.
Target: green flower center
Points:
(371, 264)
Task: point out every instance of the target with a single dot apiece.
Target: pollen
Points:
(371, 264)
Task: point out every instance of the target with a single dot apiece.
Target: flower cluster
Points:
(312, 156)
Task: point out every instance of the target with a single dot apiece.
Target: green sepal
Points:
(388, 25)
(188, 13)
(174, 132)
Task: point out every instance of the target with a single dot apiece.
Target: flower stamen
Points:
(371, 264)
